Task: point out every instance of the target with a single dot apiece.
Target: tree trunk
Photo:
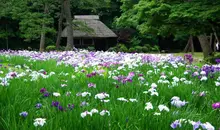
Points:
(60, 25)
(43, 35)
(215, 34)
(189, 45)
(42, 39)
(215, 48)
(192, 44)
(69, 44)
(207, 51)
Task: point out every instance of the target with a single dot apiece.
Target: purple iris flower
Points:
(131, 75)
(217, 61)
(83, 71)
(89, 75)
(71, 106)
(23, 114)
(46, 94)
(44, 72)
(38, 105)
(93, 73)
(13, 75)
(43, 90)
(60, 108)
(84, 103)
(216, 105)
(140, 75)
(175, 124)
(188, 57)
(55, 103)
(91, 85)
(202, 94)
(196, 125)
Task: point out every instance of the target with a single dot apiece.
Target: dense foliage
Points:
(166, 18)
(28, 19)
(150, 21)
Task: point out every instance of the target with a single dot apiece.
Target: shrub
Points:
(51, 48)
(119, 48)
(61, 48)
(145, 49)
(122, 48)
(155, 48)
(131, 49)
(148, 46)
(138, 49)
(135, 41)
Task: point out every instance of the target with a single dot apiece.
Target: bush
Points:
(122, 48)
(131, 49)
(145, 49)
(138, 49)
(155, 48)
(148, 46)
(135, 41)
(51, 48)
(61, 48)
(119, 48)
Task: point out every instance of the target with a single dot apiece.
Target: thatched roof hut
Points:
(99, 29)
(88, 30)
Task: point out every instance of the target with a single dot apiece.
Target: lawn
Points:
(198, 55)
(106, 91)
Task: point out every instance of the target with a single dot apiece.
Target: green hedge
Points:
(51, 48)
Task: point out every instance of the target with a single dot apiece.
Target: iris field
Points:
(107, 91)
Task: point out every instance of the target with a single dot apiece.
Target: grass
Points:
(23, 94)
(197, 55)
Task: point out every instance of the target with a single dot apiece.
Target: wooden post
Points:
(106, 44)
(82, 42)
(93, 43)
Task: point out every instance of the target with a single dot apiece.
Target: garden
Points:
(107, 90)
(109, 65)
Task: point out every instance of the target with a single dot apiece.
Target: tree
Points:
(67, 10)
(33, 17)
(60, 23)
(174, 17)
(35, 20)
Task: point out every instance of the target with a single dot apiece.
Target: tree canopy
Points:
(28, 19)
(165, 17)
(179, 18)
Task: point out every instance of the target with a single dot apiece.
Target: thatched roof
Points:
(95, 28)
